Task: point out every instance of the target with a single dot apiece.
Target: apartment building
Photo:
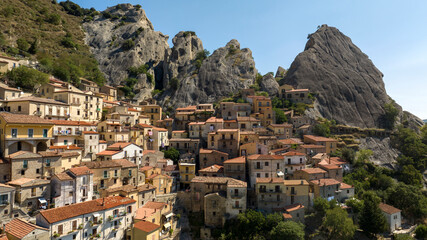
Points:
(88, 86)
(74, 185)
(104, 218)
(265, 166)
(209, 157)
(232, 110)
(212, 171)
(21, 229)
(270, 194)
(225, 140)
(24, 133)
(329, 143)
(310, 174)
(31, 194)
(113, 131)
(8, 93)
(293, 161)
(187, 171)
(106, 174)
(281, 131)
(154, 112)
(40, 107)
(212, 125)
(110, 92)
(195, 129)
(185, 145)
(298, 192)
(262, 109)
(235, 168)
(7, 200)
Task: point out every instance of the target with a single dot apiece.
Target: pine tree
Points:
(372, 220)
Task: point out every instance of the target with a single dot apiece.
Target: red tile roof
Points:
(345, 186)
(69, 147)
(325, 182)
(118, 146)
(78, 171)
(319, 139)
(388, 208)
(293, 207)
(269, 180)
(212, 169)
(146, 226)
(90, 132)
(63, 176)
(107, 153)
(155, 205)
(23, 119)
(209, 151)
(20, 228)
(236, 160)
(313, 170)
(264, 157)
(78, 209)
(125, 163)
(293, 154)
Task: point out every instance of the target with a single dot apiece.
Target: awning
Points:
(280, 174)
(169, 215)
(96, 215)
(167, 225)
(42, 201)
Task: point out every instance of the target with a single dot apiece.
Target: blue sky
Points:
(392, 33)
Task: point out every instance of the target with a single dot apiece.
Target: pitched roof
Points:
(155, 175)
(69, 154)
(231, 182)
(288, 141)
(59, 214)
(388, 208)
(118, 146)
(23, 119)
(145, 168)
(144, 213)
(241, 159)
(313, 170)
(145, 187)
(146, 226)
(345, 186)
(78, 171)
(264, 157)
(73, 123)
(209, 151)
(269, 180)
(213, 169)
(107, 153)
(325, 182)
(23, 155)
(125, 163)
(63, 176)
(20, 228)
(293, 207)
(28, 182)
(292, 153)
(214, 120)
(100, 164)
(319, 139)
(37, 99)
(68, 147)
(329, 166)
(295, 182)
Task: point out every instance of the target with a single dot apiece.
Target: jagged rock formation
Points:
(269, 84)
(280, 73)
(383, 153)
(350, 88)
(106, 38)
(225, 72)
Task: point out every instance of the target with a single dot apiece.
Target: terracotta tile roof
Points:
(6, 186)
(24, 182)
(79, 171)
(23, 119)
(49, 154)
(107, 153)
(212, 169)
(145, 187)
(179, 131)
(214, 120)
(313, 170)
(90, 132)
(345, 186)
(69, 147)
(288, 141)
(247, 119)
(264, 157)
(155, 175)
(23, 155)
(209, 151)
(145, 168)
(281, 125)
(118, 146)
(292, 153)
(63, 176)
(231, 182)
(287, 216)
(160, 129)
(102, 141)
(155, 205)
(133, 110)
(241, 159)
(319, 139)
(329, 166)
(144, 213)
(78, 209)
(147, 227)
(269, 180)
(170, 168)
(388, 208)
(20, 228)
(125, 163)
(69, 154)
(196, 123)
(36, 99)
(143, 125)
(293, 207)
(295, 182)
(311, 146)
(124, 188)
(325, 182)
(72, 123)
(227, 130)
(148, 151)
(101, 164)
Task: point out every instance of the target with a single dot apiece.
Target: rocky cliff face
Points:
(269, 84)
(106, 37)
(225, 72)
(349, 87)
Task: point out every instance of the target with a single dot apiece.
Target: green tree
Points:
(321, 205)
(421, 232)
(288, 230)
(355, 204)
(22, 44)
(128, 44)
(409, 199)
(34, 47)
(372, 220)
(363, 155)
(390, 115)
(27, 78)
(280, 116)
(173, 154)
(322, 129)
(411, 176)
(54, 19)
(2, 39)
(271, 220)
(423, 132)
(337, 225)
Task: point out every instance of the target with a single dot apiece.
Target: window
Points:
(74, 225)
(25, 164)
(47, 162)
(105, 174)
(266, 164)
(30, 132)
(115, 173)
(70, 194)
(38, 170)
(65, 142)
(129, 209)
(45, 133)
(19, 108)
(14, 132)
(60, 229)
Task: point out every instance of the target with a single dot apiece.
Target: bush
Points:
(128, 44)
(174, 83)
(280, 116)
(390, 115)
(54, 19)
(189, 33)
(22, 44)
(68, 42)
(2, 40)
(421, 232)
(7, 11)
(74, 9)
(322, 129)
(173, 154)
(107, 15)
(137, 6)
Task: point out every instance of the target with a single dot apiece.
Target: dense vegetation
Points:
(42, 30)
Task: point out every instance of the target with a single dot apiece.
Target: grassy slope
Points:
(29, 22)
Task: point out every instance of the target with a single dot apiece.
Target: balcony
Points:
(106, 176)
(4, 203)
(66, 133)
(75, 104)
(234, 196)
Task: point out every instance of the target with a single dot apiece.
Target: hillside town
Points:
(86, 163)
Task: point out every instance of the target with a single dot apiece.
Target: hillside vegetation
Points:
(42, 30)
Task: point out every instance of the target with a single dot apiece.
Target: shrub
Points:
(27, 78)
(421, 232)
(390, 115)
(22, 44)
(189, 33)
(7, 11)
(107, 15)
(137, 6)
(2, 39)
(128, 44)
(68, 42)
(174, 83)
(322, 129)
(54, 19)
